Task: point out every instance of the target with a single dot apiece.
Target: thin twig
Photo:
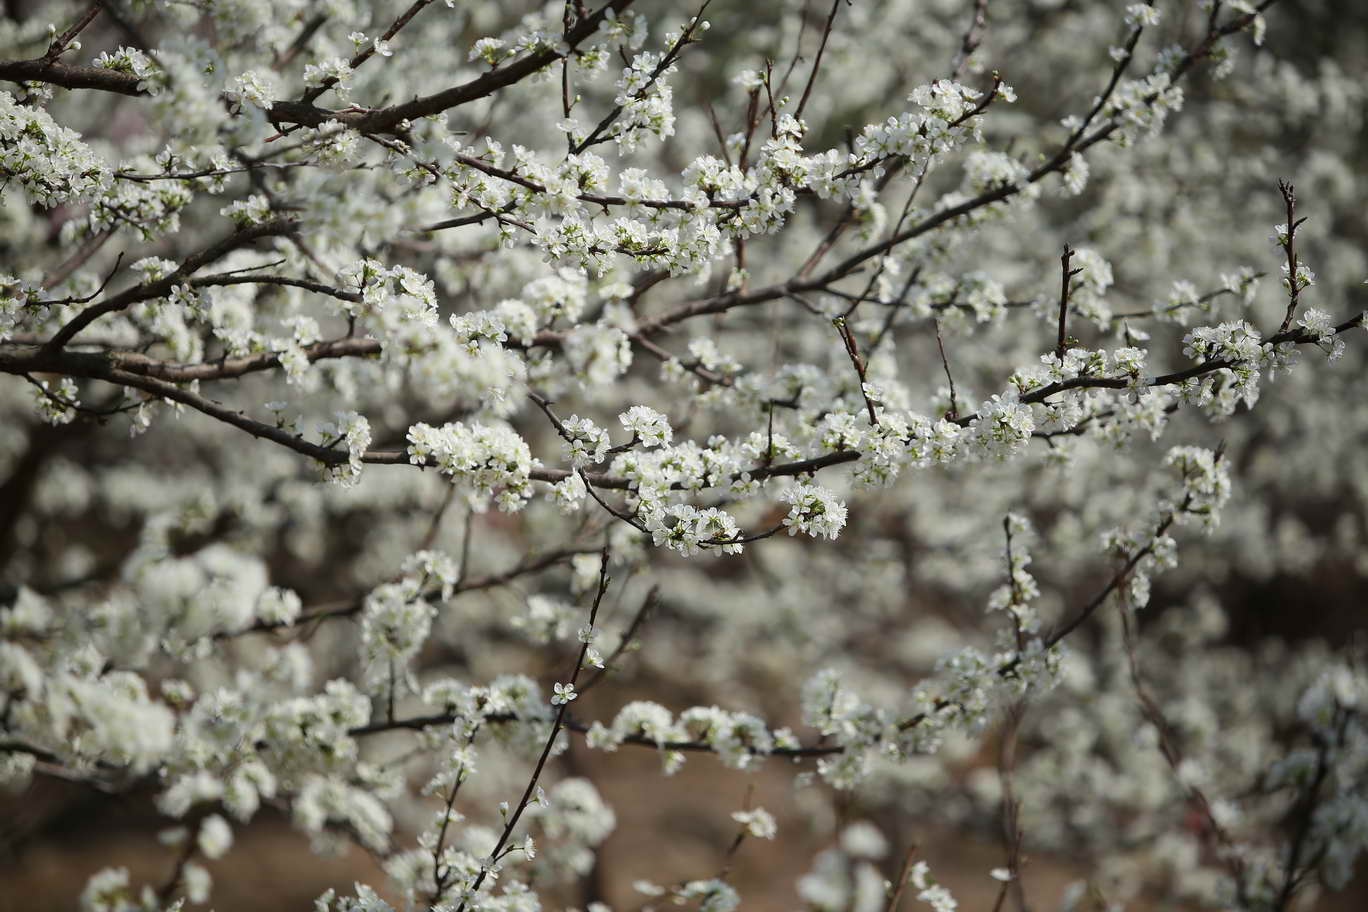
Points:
(562, 709)
(973, 37)
(365, 53)
(1168, 746)
(1012, 833)
(648, 604)
(1065, 289)
(599, 133)
(904, 872)
(853, 352)
(945, 363)
(1290, 248)
(62, 41)
(817, 61)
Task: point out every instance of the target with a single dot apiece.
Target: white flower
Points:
(254, 210)
(105, 891)
(687, 529)
(484, 457)
(569, 494)
(585, 442)
(215, 837)
(278, 606)
(353, 430)
(335, 69)
(490, 50)
(648, 426)
(714, 895)
(757, 822)
(395, 623)
(930, 892)
(134, 62)
(49, 161)
(1141, 15)
(255, 87)
(863, 840)
(1321, 327)
(563, 694)
(814, 510)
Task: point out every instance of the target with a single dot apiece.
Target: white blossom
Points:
(437, 267)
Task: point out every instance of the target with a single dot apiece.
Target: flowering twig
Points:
(159, 287)
(667, 60)
(562, 708)
(71, 76)
(368, 51)
(648, 604)
(389, 119)
(1288, 241)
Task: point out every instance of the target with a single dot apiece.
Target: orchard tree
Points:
(402, 401)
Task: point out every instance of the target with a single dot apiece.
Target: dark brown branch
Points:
(1012, 833)
(23, 358)
(390, 119)
(71, 76)
(597, 135)
(367, 52)
(817, 61)
(945, 363)
(156, 289)
(1290, 248)
(596, 199)
(904, 875)
(301, 41)
(556, 724)
(229, 368)
(1065, 289)
(1306, 811)
(420, 723)
(63, 41)
(1121, 576)
(1122, 63)
(1174, 308)
(853, 352)
(973, 37)
(1053, 164)
(628, 636)
(350, 607)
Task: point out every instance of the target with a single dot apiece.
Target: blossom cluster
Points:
(808, 455)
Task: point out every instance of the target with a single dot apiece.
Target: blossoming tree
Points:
(401, 399)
